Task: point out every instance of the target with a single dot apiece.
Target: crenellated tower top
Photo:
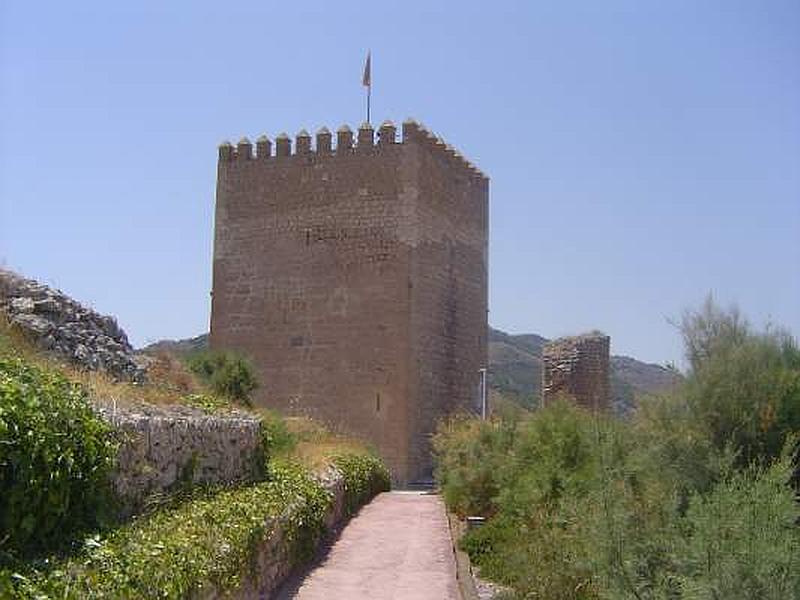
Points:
(363, 142)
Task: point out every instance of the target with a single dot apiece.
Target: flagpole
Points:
(366, 80)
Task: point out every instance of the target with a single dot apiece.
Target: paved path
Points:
(397, 548)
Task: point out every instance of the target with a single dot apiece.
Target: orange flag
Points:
(366, 81)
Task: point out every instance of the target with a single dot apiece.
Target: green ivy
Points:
(56, 455)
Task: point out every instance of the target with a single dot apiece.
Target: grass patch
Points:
(170, 381)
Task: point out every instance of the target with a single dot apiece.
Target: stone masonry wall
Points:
(578, 367)
(166, 447)
(354, 277)
(161, 447)
(449, 326)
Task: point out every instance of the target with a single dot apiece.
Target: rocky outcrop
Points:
(60, 325)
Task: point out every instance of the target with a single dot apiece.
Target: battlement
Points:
(365, 142)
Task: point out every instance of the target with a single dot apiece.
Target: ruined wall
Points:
(332, 265)
(578, 367)
(162, 448)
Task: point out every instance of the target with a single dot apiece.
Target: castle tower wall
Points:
(355, 279)
(578, 367)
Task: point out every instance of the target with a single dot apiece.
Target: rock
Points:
(81, 353)
(22, 305)
(47, 305)
(32, 324)
(63, 327)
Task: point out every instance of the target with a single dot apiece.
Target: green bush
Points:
(275, 435)
(227, 374)
(470, 456)
(364, 475)
(587, 507)
(208, 540)
(688, 499)
(742, 538)
(55, 459)
(743, 388)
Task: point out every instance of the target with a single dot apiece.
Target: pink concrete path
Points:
(396, 548)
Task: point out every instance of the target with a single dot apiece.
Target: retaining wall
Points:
(272, 561)
(164, 448)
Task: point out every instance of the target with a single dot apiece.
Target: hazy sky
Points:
(641, 154)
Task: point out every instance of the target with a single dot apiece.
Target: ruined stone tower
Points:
(355, 278)
(578, 367)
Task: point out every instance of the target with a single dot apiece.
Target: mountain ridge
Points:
(515, 369)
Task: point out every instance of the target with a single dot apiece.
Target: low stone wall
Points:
(272, 561)
(163, 448)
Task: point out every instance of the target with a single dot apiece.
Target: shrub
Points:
(275, 434)
(364, 475)
(470, 455)
(227, 374)
(742, 538)
(589, 507)
(207, 542)
(744, 386)
(55, 459)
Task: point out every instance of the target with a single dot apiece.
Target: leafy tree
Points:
(743, 386)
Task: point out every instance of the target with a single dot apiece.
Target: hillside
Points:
(199, 342)
(515, 368)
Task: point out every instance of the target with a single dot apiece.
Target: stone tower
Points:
(578, 367)
(355, 278)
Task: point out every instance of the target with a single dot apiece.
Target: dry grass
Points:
(315, 444)
(169, 381)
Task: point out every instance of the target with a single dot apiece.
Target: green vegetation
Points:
(208, 540)
(60, 536)
(55, 457)
(229, 375)
(364, 476)
(689, 499)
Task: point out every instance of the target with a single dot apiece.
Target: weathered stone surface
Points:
(165, 447)
(578, 367)
(59, 324)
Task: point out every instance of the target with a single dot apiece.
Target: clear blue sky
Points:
(641, 153)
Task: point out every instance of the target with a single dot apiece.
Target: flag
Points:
(366, 81)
